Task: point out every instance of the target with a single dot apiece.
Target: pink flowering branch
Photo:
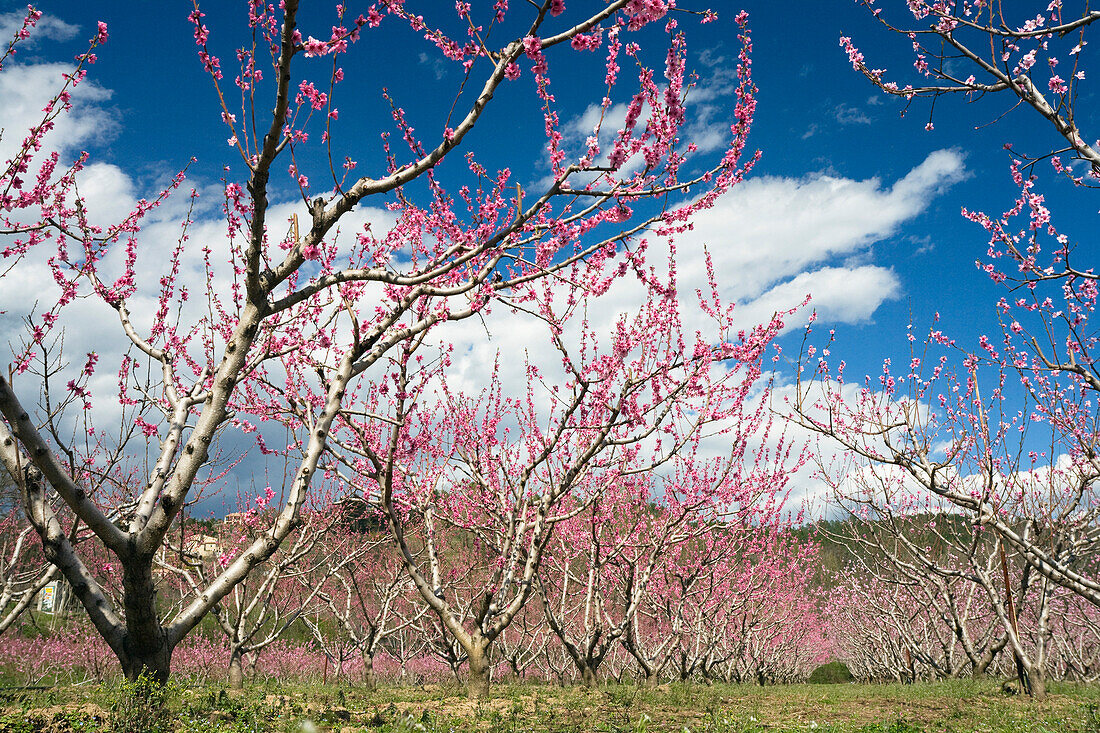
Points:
(304, 332)
(990, 53)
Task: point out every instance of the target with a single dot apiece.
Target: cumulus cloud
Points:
(107, 189)
(839, 295)
(709, 116)
(48, 27)
(26, 89)
(773, 231)
(772, 240)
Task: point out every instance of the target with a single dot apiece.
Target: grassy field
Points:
(959, 707)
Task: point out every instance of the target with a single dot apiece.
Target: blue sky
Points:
(823, 209)
(816, 116)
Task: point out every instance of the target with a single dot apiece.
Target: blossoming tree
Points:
(510, 472)
(287, 297)
(1006, 433)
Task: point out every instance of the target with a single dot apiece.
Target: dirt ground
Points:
(957, 707)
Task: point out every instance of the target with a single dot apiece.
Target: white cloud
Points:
(772, 240)
(437, 65)
(840, 295)
(48, 28)
(108, 193)
(847, 114)
(709, 103)
(26, 89)
(770, 230)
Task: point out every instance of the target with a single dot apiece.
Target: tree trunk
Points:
(478, 657)
(589, 677)
(145, 649)
(1038, 686)
(981, 669)
(236, 671)
(369, 680)
(151, 662)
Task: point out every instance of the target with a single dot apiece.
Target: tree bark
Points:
(236, 670)
(369, 679)
(150, 661)
(146, 647)
(1037, 685)
(589, 678)
(478, 657)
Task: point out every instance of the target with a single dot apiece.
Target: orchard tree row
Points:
(338, 343)
(969, 471)
(712, 604)
(338, 605)
(616, 487)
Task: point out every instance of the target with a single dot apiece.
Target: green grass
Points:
(947, 707)
(831, 673)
